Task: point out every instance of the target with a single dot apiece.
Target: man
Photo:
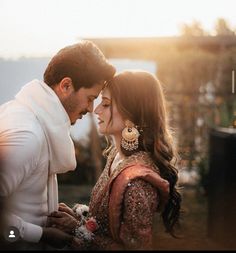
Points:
(35, 138)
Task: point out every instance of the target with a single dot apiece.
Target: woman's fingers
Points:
(66, 209)
(63, 208)
(62, 204)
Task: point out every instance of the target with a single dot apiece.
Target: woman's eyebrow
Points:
(105, 98)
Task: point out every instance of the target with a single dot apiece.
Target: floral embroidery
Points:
(140, 203)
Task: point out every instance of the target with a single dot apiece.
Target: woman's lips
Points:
(100, 121)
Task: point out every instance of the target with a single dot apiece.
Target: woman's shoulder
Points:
(142, 172)
(140, 185)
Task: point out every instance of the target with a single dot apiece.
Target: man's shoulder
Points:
(16, 118)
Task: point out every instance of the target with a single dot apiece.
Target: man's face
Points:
(78, 103)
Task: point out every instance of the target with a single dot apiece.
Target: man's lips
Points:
(81, 115)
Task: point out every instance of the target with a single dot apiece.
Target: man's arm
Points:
(28, 232)
(20, 151)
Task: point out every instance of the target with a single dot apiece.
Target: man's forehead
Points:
(96, 88)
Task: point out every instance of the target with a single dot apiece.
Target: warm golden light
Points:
(41, 27)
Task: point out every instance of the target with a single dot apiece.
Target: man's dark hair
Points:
(83, 62)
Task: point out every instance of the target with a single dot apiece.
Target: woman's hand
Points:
(64, 208)
(62, 221)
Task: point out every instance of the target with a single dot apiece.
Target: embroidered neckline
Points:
(140, 157)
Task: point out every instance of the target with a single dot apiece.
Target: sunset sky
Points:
(42, 27)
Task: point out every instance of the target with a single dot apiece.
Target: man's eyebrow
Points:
(94, 96)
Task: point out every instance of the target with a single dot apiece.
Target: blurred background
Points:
(191, 47)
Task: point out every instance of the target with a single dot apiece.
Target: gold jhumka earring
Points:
(130, 135)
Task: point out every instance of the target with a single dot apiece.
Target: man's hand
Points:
(62, 221)
(56, 238)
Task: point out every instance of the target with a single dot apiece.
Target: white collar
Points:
(55, 122)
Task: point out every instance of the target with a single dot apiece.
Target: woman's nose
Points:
(97, 110)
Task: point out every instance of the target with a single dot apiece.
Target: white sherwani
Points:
(35, 144)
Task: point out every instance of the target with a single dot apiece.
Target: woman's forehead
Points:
(106, 93)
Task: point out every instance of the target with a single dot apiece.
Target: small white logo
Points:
(11, 234)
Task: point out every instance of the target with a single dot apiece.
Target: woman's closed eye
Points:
(105, 105)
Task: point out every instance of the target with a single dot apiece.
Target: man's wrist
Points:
(44, 235)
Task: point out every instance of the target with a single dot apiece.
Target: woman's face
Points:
(107, 125)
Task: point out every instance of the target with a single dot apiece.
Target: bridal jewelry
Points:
(130, 134)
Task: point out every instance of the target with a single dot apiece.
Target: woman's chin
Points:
(101, 131)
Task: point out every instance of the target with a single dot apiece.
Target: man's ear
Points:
(66, 86)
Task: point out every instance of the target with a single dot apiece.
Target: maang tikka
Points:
(130, 135)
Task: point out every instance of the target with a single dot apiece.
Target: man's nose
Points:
(90, 108)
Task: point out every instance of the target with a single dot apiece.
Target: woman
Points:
(139, 177)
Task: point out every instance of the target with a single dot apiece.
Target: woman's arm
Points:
(140, 204)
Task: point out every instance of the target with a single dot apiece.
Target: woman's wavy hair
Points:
(139, 98)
